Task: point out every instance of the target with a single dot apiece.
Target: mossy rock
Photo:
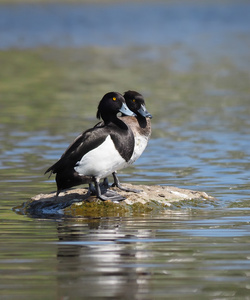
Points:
(78, 203)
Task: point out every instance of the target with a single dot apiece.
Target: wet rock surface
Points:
(78, 202)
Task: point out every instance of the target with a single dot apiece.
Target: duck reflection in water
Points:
(92, 265)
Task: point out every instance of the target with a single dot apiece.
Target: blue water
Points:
(154, 24)
(191, 60)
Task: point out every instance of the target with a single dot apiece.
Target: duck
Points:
(141, 128)
(98, 151)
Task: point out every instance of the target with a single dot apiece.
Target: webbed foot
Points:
(104, 194)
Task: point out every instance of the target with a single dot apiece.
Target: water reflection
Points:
(105, 262)
(114, 257)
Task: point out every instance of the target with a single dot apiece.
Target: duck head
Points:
(111, 104)
(136, 103)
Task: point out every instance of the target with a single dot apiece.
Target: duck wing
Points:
(84, 143)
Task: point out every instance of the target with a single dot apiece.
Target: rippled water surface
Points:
(191, 61)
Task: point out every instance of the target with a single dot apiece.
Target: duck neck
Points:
(119, 123)
(142, 121)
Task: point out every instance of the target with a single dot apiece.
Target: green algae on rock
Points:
(78, 203)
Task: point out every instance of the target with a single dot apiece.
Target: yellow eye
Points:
(114, 98)
(133, 100)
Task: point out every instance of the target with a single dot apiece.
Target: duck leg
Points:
(118, 184)
(103, 188)
(105, 183)
(91, 190)
(113, 197)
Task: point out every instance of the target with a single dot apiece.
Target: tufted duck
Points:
(140, 126)
(98, 151)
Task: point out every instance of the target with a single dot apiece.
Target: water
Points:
(191, 62)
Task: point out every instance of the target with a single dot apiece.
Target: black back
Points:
(119, 132)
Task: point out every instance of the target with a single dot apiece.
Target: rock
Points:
(77, 202)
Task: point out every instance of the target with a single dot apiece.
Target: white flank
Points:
(101, 161)
(141, 142)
